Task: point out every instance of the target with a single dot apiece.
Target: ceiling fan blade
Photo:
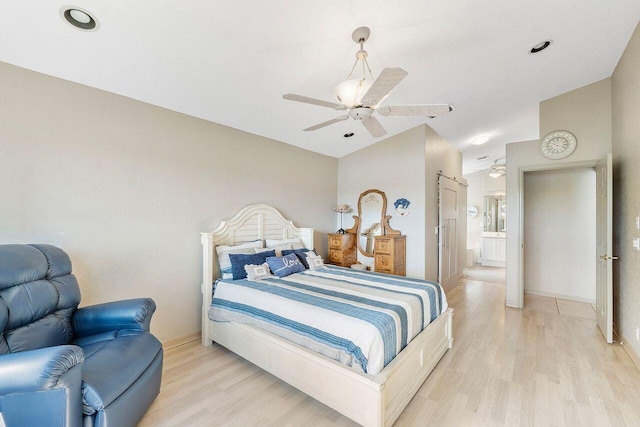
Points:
(327, 123)
(415, 110)
(307, 100)
(374, 127)
(383, 85)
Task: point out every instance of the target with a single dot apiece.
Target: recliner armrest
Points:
(113, 316)
(42, 387)
(38, 370)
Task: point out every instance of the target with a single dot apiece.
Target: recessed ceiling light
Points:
(541, 46)
(79, 18)
(480, 139)
(348, 135)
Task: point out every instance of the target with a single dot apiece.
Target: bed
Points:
(369, 399)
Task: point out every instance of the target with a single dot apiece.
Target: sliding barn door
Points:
(604, 232)
(448, 260)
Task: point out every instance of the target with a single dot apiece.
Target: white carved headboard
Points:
(250, 223)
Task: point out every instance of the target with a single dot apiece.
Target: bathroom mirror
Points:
(495, 213)
(372, 220)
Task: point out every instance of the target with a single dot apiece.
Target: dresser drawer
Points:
(342, 249)
(335, 242)
(382, 246)
(383, 262)
(389, 254)
(335, 256)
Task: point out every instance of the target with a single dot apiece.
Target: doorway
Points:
(516, 241)
(560, 234)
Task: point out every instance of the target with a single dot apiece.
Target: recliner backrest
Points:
(38, 295)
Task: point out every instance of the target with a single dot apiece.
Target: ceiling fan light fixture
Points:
(497, 170)
(360, 97)
(350, 92)
(360, 113)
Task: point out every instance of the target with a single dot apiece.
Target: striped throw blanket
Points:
(359, 318)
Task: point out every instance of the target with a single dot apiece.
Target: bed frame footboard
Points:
(374, 401)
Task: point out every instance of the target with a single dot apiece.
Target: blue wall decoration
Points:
(402, 207)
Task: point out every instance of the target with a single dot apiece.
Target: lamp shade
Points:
(342, 208)
(350, 92)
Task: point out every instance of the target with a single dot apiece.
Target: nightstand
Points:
(389, 254)
(342, 249)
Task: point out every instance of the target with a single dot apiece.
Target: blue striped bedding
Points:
(358, 318)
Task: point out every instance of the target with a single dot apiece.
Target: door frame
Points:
(519, 276)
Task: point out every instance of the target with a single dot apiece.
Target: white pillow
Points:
(296, 243)
(223, 252)
(315, 261)
(278, 249)
(257, 272)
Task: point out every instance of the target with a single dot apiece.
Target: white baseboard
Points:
(493, 263)
(560, 296)
(512, 304)
(175, 342)
(630, 351)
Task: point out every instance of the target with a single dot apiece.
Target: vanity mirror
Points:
(372, 220)
(495, 213)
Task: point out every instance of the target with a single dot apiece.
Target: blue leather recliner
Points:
(61, 365)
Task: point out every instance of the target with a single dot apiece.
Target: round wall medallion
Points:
(472, 211)
(558, 145)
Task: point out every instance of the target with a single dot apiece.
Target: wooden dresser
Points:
(389, 254)
(342, 249)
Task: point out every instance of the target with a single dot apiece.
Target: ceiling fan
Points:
(360, 97)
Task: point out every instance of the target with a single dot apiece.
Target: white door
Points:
(604, 231)
(448, 222)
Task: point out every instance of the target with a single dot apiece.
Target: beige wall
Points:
(626, 200)
(560, 233)
(395, 166)
(126, 188)
(406, 165)
(585, 112)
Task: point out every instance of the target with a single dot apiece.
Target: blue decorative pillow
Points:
(285, 265)
(238, 261)
(223, 255)
(301, 254)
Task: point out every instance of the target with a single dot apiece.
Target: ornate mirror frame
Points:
(385, 229)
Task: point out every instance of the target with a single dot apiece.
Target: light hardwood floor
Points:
(507, 367)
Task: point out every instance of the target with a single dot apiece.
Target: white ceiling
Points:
(230, 62)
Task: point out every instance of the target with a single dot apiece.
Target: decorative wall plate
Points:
(558, 145)
(472, 211)
(402, 207)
